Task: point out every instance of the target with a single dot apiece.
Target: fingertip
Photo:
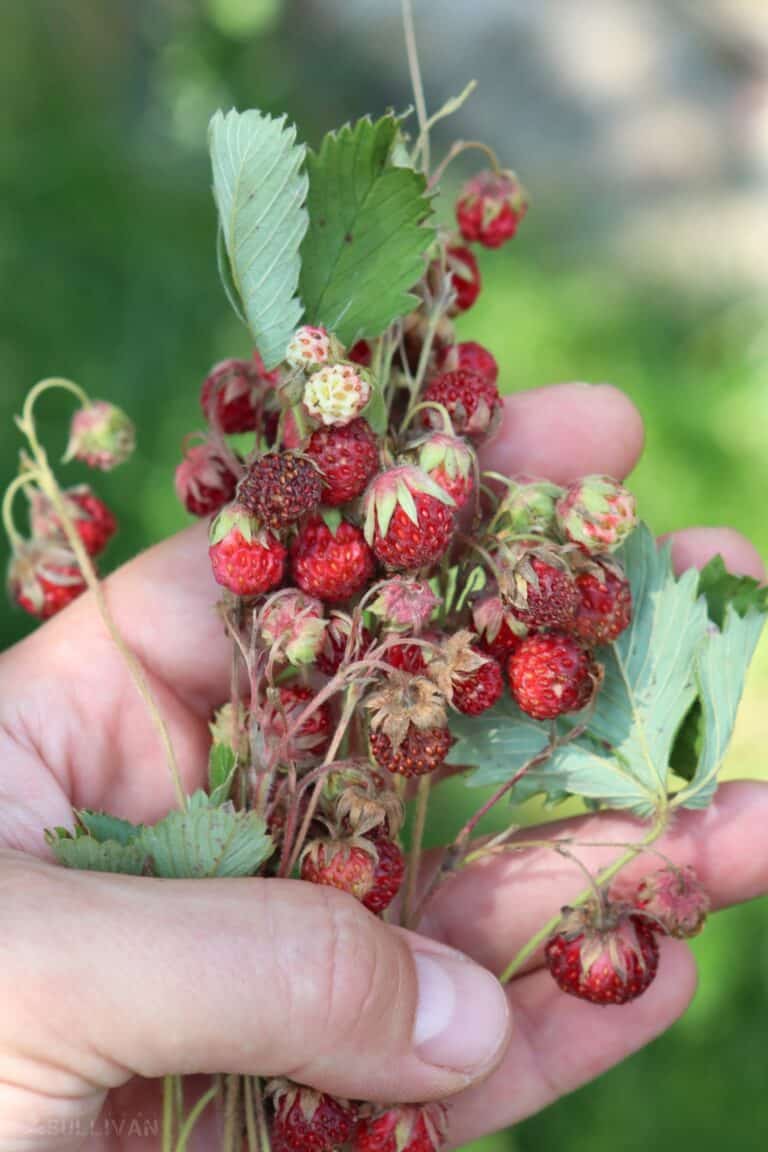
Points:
(695, 547)
(565, 431)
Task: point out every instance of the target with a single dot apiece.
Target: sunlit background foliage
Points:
(641, 128)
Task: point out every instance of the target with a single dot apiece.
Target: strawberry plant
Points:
(395, 609)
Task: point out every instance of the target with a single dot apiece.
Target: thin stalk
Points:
(601, 879)
(232, 1113)
(16, 485)
(168, 1113)
(455, 150)
(261, 1118)
(414, 856)
(251, 1131)
(417, 83)
(193, 1117)
(50, 487)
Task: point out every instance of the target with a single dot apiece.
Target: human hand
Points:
(109, 978)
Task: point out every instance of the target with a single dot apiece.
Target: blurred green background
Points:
(644, 262)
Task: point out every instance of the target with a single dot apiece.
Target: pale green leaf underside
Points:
(206, 841)
(260, 189)
(88, 854)
(652, 676)
(366, 241)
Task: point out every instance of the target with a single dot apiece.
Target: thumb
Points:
(108, 977)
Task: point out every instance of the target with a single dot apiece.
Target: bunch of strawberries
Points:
(376, 581)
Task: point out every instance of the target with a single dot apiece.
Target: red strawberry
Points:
(387, 876)
(605, 607)
(309, 1121)
(245, 558)
(407, 658)
(347, 866)
(468, 356)
(479, 690)
(93, 521)
(231, 393)
(405, 1128)
(44, 577)
(408, 518)
(361, 353)
(423, 750)
(450, 462)
(331, 566)
(492, 624)
(473, 403)
(279, 488)
(347, 457)
(550, 599)
(335, 641)
(490, 208)
(465, 277)
(675, 901)
(551, 674)
(606, 955)
(314, 735)
(204, 481)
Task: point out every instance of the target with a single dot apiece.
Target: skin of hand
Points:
(108, 983)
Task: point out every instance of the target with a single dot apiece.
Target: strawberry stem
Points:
(193, 1117)
(15, 537)
(455, 150)
(417, 83)
(414, 857)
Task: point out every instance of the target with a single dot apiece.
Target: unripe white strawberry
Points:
(101, 436)
(311, 348)
(404, 603)
(292, 625)
(596, 513)
(337, 393)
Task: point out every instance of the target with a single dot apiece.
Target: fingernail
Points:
(462, 1016)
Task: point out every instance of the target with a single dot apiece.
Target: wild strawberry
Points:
(408, 518)
(93, 521)
(605, 606)
(337, 393)
(405, 1128)
(245, 558)
(675, 901)
(409, 733)
(550, 674)
(309, 1121)
(231, 393)
(597, 513)
(348, 866)
(477, 691)
(335, 643)
(311, 348)
(473, 403)
(468, 356)
(422, 750)
(101, 436)
(499, 634)
(361, 353)
(490, 208)
(464, 273)
(280, 488)
(404, 603)
(450, 462)
(313, 736)
(407, 658)
(44, 577)
(387, 875)
(537, 593)
(528, 509)
(347, 458)
(291, 625)
(603, 954)
(204, 480)
(362, 801)
(331, 565)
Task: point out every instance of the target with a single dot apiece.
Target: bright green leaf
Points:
(260, 189)
(721, 588)
(367, 237)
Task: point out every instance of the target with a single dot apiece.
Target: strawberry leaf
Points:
(366, 241)
(668, 657)
(721, 588)
(222, 763)
(87, 853)
(102, 826)
(260, 188)
(204, 840)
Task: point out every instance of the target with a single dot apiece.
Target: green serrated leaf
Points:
(101, 826)
(260, 190)
(650, 684)
(365, 246)
(720, 588)
(221, 769)
(207, 841)
(721, 667)
(88, 854)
